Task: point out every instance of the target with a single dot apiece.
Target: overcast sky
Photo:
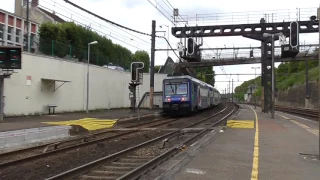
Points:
(138, 15)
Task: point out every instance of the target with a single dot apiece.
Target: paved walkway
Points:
(254, 146)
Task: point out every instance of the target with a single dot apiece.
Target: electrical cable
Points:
(95, 29)
(119, 25)
(116, 24)
(98, 24)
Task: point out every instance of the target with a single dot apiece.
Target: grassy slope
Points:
(296, 79)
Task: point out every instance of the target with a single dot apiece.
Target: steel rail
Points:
(37, 156)
(95, 164)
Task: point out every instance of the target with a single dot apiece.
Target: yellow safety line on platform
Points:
(255, 163)
(311, 130)
(240, 124)
(88, 123)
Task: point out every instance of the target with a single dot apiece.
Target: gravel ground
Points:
(154, 173)
(55, 164)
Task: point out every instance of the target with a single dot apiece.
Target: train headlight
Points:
(184, 99)
(169, 99)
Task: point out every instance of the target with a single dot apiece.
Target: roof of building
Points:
(53, 16)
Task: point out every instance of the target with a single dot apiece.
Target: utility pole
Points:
(232, 91)
(153, 44)
(27, 35)
(273, 83)
(1, 97)
(229, 91)
(307, 84)
(255, 82)
(318, 82)
(225, 90)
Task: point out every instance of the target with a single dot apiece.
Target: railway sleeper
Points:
(140, 157)
(106, 173)
(166, 141)
(126, 164)
(54, 145)
(88, 177)
(132, 160)
(117, 168)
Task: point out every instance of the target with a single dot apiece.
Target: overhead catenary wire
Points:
(109, 21)
(84, 18)
(97, 30)
(119, 25)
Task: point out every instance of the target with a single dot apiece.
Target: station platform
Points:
(253, 146)
(92, 121)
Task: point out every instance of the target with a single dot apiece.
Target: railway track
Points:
(295, 110)
(300, 111)
(131, 163)
(36, 152)
(49, 149)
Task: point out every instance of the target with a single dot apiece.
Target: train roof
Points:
(191, 78)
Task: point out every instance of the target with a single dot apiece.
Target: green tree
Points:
(206, 74)
(156, 68)
(71, 40)
(142, 56)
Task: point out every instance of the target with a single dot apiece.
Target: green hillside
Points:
(287, 75)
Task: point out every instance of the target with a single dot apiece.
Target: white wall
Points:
(108, 88)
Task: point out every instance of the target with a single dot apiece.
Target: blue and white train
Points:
(185, 94)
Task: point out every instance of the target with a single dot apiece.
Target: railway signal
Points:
(294, 34)
(137, 72)
(190, 46)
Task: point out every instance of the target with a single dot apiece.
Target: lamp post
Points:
(93, 42)
(255, 83)
(168, 37)
(272, 67)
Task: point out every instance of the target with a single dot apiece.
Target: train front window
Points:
(176, 89)
(182, 89)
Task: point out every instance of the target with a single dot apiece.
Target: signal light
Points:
(190, 46)
(136, 69)
(294, 34)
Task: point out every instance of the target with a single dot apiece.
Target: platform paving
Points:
(26, 122)
(237, 154)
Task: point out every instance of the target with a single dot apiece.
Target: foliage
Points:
(71, 40)
(206, 74)
(142, 56)
(156, 68)
(287, 75)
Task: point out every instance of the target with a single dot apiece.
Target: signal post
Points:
(136, 80)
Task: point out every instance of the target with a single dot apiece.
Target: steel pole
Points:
(255, 83)
(153, 44)
(27, 38)
(232, 91)
(87, 108)
(168, 42)
(1, 98)
(273, 83)
(319, 83)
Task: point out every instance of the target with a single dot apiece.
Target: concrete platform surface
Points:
(26, 122)
(256, 148)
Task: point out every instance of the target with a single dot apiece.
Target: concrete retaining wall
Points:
(108, 88)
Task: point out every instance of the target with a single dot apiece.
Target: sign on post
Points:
(137, 72)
